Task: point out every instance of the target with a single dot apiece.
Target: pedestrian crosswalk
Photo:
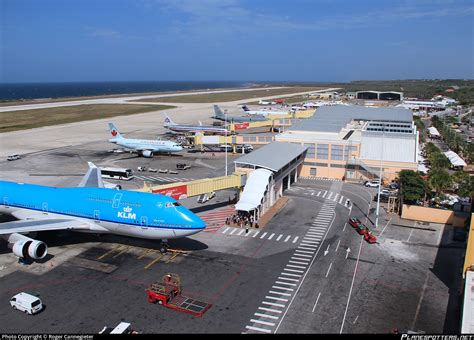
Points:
(314, 178)
(164, 179)
(256, 233)
(325, 194)
(215, 219)
(279, 297)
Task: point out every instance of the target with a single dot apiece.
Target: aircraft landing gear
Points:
(164, 246)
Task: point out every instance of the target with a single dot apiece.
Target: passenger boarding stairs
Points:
(361, 169)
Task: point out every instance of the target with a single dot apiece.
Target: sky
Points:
(243, 40)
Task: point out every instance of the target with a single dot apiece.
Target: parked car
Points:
(13, 157)
(394, 186)
(25, 302)
(152, 170)
(141, 168)
(372, 184)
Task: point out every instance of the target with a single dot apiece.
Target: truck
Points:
(168, 293)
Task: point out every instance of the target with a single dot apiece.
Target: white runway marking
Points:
(293, 270)
(304, 251)
(262, 322)
(288, 274)
(306, 248)
(295, 266)
(298, 262)
(283, 288)
(266, 316)
(278, 293)
(273, 304)
(285, 283)
(288, 279)
(270, 310)
(316, 302)
(275, 298)
(329, 269)
(258, 329)
(299, 258)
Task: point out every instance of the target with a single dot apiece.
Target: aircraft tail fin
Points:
(218, 112)
(114, 131)
(93, 177)
(168, 121)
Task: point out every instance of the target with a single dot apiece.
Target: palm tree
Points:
(439, 179)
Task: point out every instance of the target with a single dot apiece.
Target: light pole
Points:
(226, 126)
(380, 182)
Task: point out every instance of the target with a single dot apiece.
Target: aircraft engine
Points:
(147, 153)
(26, 247)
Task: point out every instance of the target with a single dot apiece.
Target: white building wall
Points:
(390, 148)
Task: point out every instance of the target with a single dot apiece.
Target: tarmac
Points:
(307, 271)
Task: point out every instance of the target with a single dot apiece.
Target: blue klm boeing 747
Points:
(89, 208)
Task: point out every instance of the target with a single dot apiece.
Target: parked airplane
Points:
(263, 112)
(238, 119)
(261, 102)
(89, 208)
(145, 147)
(178, 128)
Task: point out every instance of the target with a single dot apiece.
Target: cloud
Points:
(106, 33)
(222, 16)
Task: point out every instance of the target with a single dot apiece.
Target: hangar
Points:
(380, 95)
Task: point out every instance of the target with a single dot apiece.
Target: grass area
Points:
(232, 96)
(28, 119)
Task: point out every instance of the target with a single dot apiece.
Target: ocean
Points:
(17, 91)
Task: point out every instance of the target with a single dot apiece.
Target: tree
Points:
(412, 186)
(464, 183)
(439, 160)
(439, 179)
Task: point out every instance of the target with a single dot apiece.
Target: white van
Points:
(27, 303)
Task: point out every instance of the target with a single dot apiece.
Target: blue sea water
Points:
(18, 91)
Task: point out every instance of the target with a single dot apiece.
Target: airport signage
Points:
(178, 192)
(241, 126)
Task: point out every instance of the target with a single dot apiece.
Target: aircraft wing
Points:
(44, 225)
(93, 178)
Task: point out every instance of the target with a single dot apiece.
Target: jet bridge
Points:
(183, 190)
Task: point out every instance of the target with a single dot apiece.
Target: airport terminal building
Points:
(354, 142)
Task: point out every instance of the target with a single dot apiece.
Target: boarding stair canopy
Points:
(433, 131)
(254, 190)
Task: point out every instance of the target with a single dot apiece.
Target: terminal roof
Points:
(273, 156)
(334, 118)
